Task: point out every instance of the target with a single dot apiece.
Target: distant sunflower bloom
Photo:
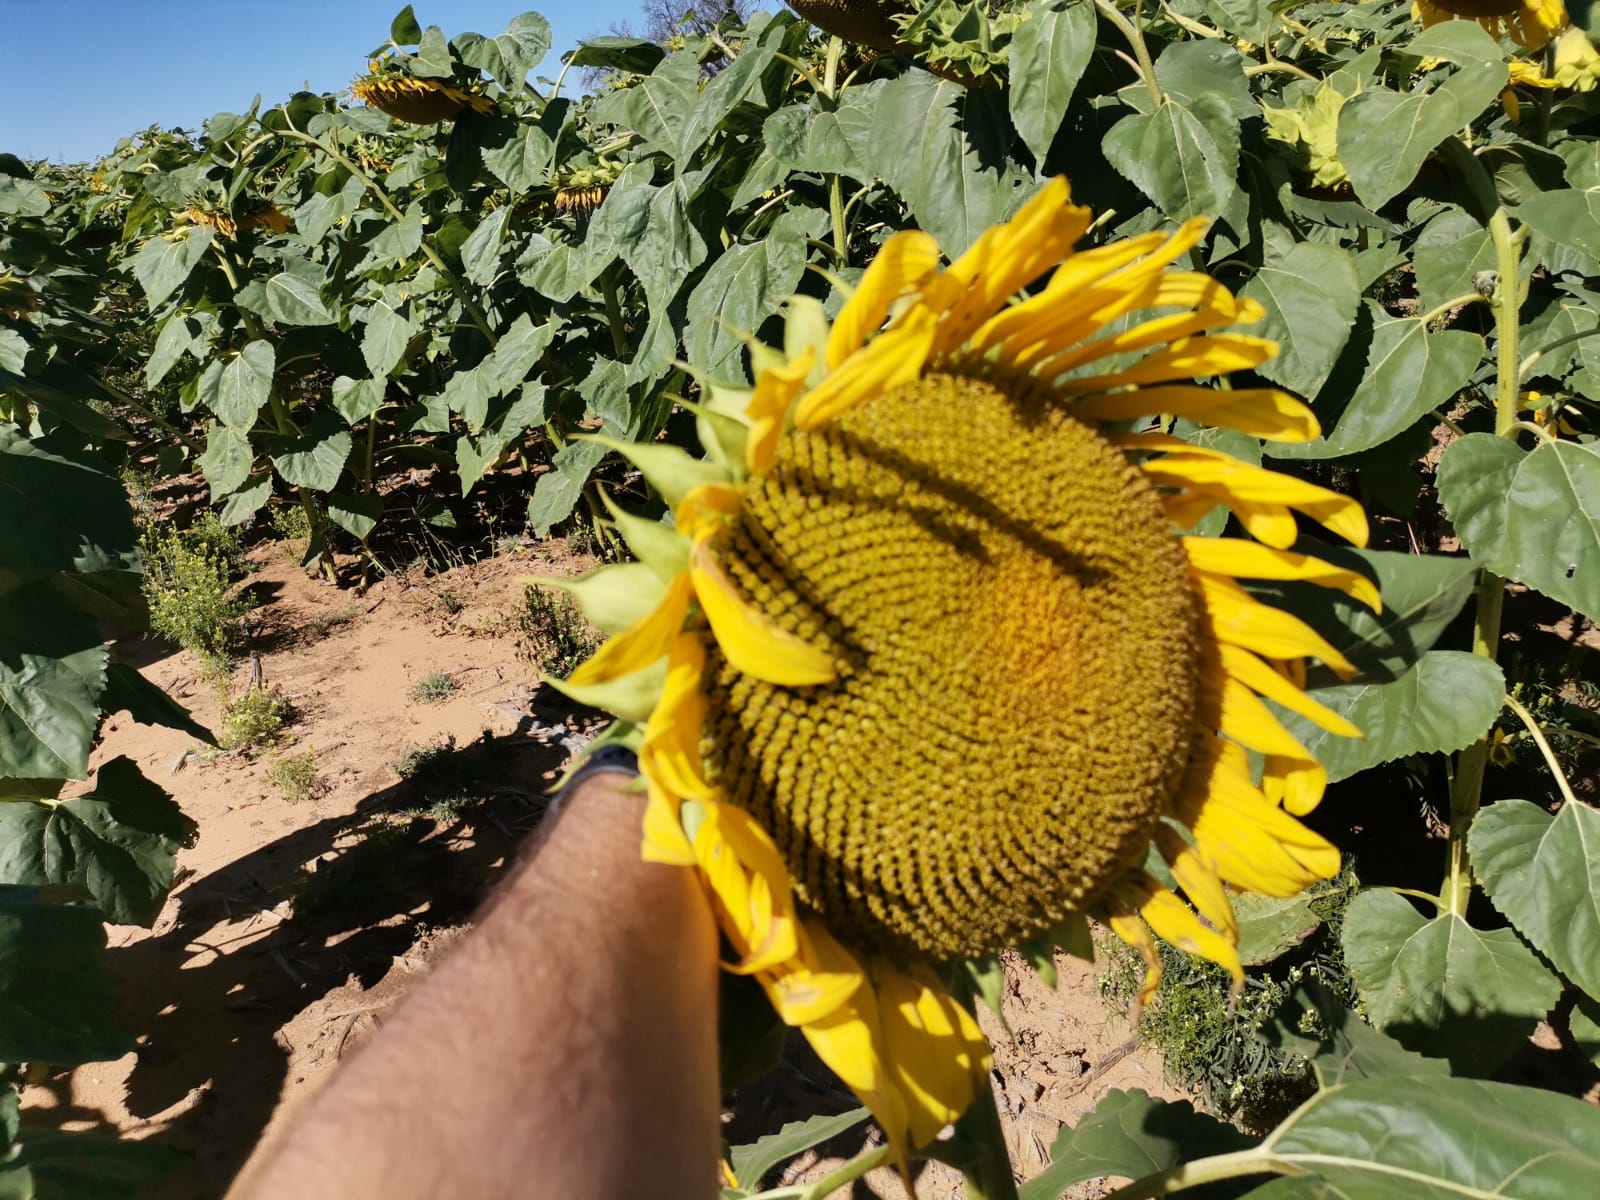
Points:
(414, 100)
(926, 667)
(1529, 23)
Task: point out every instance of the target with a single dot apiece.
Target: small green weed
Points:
(1240, 1076)
(323, 624)
(552, 633)
(253, 719)
(422, 761)
(292, 524)
(433, 687)
(188, 574)
(365, 873)
(293, 776)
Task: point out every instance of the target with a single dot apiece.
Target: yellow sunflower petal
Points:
(705, 508)
(751, 641)
(1255, 674)
(664, 840)
(1211, 302)
(670, 753)
(892, 360)
(1248, 489)
(774, 394)
(1019, 324)
(934, 1049)
(1261, 412)
(1176, 922)
(1250, 723)
(641, 644)
(1127, 925)
(1239, 619)
(1186, 358)
(750, 888)
(1238, 559)
(1250, 842)
(1007, 258)
(902, 264)
(1198, 880)
(1295, 783)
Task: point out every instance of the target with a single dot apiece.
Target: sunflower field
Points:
(1129, 460)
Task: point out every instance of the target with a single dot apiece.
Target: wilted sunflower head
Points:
(1530, 23)
(928, 666)
(391, 89)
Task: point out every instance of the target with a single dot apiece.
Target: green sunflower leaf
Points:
(753, 1162)
(52, 673)
(1385, 136)
(1132, 1134)
(1310, 293)
(1175, 158)
(1421, 596)
(1435, 1139)
(1269, 926)
(119, 842)
(56, 998)
(1048, 55)
(1584, 1025)
(941, 147)
(1543, 873)
(59, 516)
(316, 458)
(1442, 704)
(86, 1166)
(556, 493)
(1441, 987)
(384, 337)
(162, 266)
(237, 390)
(291, 297)
(1450, 252)
(227, 459)
(1530, 515)
(1408, 373)
(743, 288)
(1567, 217)
(1342, 1047)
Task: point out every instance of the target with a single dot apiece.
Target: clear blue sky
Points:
(79, 74)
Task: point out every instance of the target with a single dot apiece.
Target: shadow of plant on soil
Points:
(368, 885)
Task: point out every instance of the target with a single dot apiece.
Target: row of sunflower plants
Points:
(69, 576)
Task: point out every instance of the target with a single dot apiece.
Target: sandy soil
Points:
(294, 926)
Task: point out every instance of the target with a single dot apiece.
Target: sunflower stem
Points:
(1466, 787)
(1507, 306)
(1537, 733)
(830, 89)
(1135, 39)
(990, 1177)
(848, 1173)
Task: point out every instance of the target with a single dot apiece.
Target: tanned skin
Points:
(565, 1048)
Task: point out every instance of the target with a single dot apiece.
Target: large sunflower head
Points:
(390, 87)
(927, 667)
(1530, 23)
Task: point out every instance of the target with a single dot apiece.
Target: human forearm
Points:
(566, 1048)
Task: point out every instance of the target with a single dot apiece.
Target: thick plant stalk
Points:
(1466, 787)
